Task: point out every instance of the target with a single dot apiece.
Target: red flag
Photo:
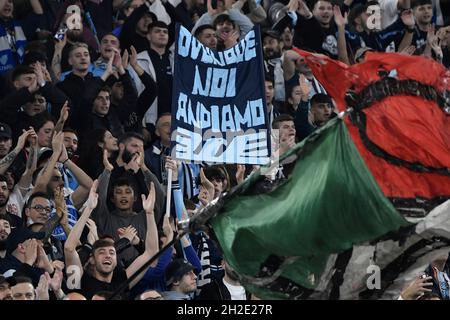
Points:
(399, 123)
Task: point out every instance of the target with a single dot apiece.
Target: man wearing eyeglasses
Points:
(38, 209)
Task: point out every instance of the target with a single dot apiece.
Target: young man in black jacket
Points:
(229, 288)
(28, 82)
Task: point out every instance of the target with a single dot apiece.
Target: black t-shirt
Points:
(311, 36)
(164, 78)
(90, 285)
(419, 40)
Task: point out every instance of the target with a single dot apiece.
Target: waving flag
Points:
(367, 194)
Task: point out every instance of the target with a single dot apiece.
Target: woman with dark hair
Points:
(44, 125)
(91, 154)
(294, 96)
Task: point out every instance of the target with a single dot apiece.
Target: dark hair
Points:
(312, 4)
(218, 171)
(128, 135)
(124, 181)
(202, 28)
(34, 56)
(321, 98)
(21, 70)
(91, 154)
(111, 34)
(281, 118)
(102, 243)
(3, 178)
(355, 12)
(157, 24)
(36, 195)
(416, 3)
(70, 130)
(105, 89)
(23, 279)
(7, 218)
(39, 120)
(269, 77)
(221, 18)
(429, 296)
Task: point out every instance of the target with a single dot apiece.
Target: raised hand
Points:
(58, 265)
(304, 87)
(286, 143)
(211, 11)
(109, 68)
(204, 196)
(340, 20)
(64, 114)
(417, 288)
(55, 282)
(303, 9)
(125, 59)
(42, 259)
(33, 87)
(63, 157)
(39, 73)
(118, 61)
(60, 205)
(31, 252)
(167, 228)
(148, 203)
(57, 142)
(135, 163)
(92, 235)
(293, 5)
(42, 288)
(133, 57)
(108, 166)
(32, 138)
(407, 17)
(93, 196)
(59, 45)
(172, 164)
(24, 137)
(240, 173)
(433, 42)
(207, 184)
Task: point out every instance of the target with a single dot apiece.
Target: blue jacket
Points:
(12, 45)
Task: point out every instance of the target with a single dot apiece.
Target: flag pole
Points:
(169, 191)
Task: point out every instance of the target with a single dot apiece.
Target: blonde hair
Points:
(77, 45)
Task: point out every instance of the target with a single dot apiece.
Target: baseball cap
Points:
(271, 33)
(176, 270)
(5, 131)
(44, 153)
(20, 235)
(10, 280)
(361, 51)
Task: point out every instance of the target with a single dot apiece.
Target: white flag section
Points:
(383, 269)
(219, 109)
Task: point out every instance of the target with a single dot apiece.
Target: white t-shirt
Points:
(16, 201)
(236, 292)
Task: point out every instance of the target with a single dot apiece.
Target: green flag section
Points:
(279, 242)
